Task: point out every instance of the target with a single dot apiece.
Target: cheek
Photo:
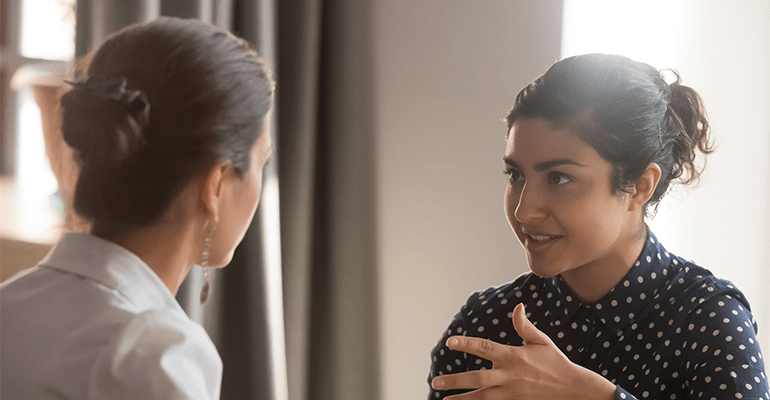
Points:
(595, 222)
(248, 206)
(251, 196)
(254, 193)
(510, 201)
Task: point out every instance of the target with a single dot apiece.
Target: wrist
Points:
(592, 386)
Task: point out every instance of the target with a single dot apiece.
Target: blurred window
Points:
(47, 29)
(33, 33)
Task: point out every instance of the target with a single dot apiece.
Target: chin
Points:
(544, 268)
(543, 273)
(223, 262)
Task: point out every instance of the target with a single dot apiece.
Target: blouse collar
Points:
(629, 298)
(112, 266)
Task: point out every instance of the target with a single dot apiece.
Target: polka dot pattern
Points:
(668, 330)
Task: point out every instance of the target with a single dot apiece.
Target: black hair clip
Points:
(113, 89)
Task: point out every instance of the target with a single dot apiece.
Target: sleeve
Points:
(446, 361)
(160, 354)
(622, 394)
(723, 357)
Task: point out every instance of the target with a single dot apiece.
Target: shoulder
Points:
(716, 316)
(504, 295)
(164, 326)
(721, 319)
(487, 313)
(720, 343)
(158, 354)
(703, 301)
(690, 286)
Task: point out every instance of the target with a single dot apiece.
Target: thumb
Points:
(528, 332)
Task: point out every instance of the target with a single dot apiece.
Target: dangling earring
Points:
(205, 265)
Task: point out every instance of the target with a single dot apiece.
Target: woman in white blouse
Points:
(169, 122)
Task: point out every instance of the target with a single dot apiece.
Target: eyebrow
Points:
(542, 166)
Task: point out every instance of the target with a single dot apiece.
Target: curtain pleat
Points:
(107, 16)
(298, 72)
(328, 203)
(198, 9)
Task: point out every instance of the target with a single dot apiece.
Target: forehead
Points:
(536, 140)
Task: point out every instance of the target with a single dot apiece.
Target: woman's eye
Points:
(558, 178)
(513, 175)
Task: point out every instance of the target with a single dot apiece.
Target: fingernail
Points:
(452, 342)
(437, 383)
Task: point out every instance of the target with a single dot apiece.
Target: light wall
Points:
(447, 73)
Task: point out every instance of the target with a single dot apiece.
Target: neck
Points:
(590, 282)
(168, 249)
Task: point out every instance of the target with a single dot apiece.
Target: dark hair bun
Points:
(690, 123)
(102, 131)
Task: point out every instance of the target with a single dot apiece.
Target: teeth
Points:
(540, 238)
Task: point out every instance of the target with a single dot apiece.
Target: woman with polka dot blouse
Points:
(607, 312)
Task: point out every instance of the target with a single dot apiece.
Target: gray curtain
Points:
(326, 170)
(294, 316)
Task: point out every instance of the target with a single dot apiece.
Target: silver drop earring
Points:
(205, 265)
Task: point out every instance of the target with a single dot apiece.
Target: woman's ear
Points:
(211, 189)
(644, 187)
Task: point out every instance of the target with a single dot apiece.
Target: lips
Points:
(540, 238)
(538, 242)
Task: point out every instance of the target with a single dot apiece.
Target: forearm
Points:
(591, 386)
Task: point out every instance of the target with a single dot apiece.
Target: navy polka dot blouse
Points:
(668, 330)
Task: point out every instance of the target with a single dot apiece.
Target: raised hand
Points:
(536, 370)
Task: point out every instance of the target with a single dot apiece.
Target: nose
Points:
(530, 206)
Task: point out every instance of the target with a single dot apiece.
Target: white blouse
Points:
(93, 321)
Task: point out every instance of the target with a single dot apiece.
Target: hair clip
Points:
(113, 89)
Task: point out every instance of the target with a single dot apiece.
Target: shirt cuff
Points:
(621, 394)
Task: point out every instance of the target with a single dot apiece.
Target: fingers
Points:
(467, 380)
(528, 332)
(488, 393)
(483, 348)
